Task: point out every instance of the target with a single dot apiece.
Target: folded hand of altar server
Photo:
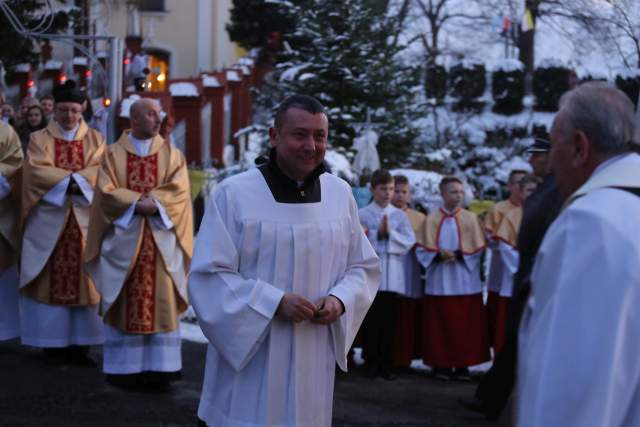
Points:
(448, 256)
(295, 308)
(329, 309)
(383, 228)
(146, 206)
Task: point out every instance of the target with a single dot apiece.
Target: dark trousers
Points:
(379, 329)
(496, 386)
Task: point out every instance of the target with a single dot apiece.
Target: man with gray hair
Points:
(580, 332)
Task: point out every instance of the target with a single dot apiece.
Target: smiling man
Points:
(281, 279)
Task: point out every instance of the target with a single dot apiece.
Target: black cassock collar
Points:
(286, 190)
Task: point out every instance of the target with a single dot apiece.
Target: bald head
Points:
(145, 119)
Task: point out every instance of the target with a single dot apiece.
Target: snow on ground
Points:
(340, 165)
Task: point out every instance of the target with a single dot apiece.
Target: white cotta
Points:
(446, 279)
(44, 325)
(392, 251)
(9, 314)
(580, 332)
(134, 353)
(251, 250)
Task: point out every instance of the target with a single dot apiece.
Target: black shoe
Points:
(443, 374)
(159, 381)
(474, 404)
(388, 375)
(462, 374)
(79, 355)
(124, 381)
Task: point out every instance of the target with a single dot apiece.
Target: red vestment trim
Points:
(69, 155)
(66, 264)
(66, 260)
(142, 177)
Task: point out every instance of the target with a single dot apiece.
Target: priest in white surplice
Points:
(139, 250)
(282, 277)
(580, 332)
(10, 162)
(58, 301)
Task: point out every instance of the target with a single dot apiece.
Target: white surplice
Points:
(580, 332)
(134, 353)
(44, 325)
(9, 313)
(456, 278)
(392, 251)
(250, 251)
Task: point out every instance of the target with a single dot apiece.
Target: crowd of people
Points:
(97, 248)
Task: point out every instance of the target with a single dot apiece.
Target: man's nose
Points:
(309, 143)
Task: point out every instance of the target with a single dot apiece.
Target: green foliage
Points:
(467, 82)
(347, 54)
(549, 83)
(629, 85)
(255, 22)
(436, 81)
(507, 89)
(17, 49)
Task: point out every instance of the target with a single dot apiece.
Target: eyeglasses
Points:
(67, 110)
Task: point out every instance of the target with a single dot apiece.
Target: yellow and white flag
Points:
(527, 21)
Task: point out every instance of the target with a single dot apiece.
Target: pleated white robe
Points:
(250, 251)
(580, 332)
(9, 314)
(392, 251)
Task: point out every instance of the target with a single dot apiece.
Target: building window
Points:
(151, 6)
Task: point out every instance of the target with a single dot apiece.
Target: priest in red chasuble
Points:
(139, 251)
(58, 302)
(10, 163)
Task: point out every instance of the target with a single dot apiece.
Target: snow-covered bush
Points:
(467, 81)
(507, 87)
(628, 81)
(436, 81)
(550, 81)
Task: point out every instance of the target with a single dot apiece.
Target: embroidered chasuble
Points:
(52, 273)
(10, 162)
(141, 271)
(470, 235)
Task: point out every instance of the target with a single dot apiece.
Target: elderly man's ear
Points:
(581, 147)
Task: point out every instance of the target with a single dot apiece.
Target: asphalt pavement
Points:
(37, 392)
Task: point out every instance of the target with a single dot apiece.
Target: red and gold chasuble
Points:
(140, 287)
(66, 260)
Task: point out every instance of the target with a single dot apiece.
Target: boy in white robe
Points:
(504, 242)
(455, 334)
(406, 343)
(391, 235)
(281, 279)
(580, 332)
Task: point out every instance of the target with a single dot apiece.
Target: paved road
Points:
(34, 392)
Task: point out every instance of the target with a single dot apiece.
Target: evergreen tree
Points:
(16, 48)
(254, 23)
(348, 54)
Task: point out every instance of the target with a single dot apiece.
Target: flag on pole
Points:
(527, 21)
